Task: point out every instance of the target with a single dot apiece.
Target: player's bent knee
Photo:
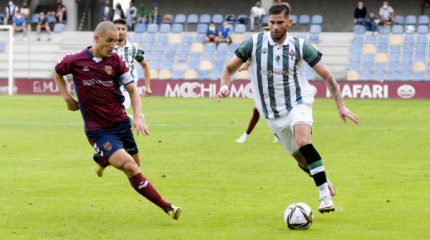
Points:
(303, 141)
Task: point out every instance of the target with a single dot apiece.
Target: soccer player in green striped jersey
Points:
(283, 95)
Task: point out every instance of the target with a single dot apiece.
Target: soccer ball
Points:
(298, 216)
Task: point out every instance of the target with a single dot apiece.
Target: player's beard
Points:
(280, 36)
(121, 39)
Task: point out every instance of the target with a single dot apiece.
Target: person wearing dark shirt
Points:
(106, 12)
(360, 13)
(98, 72)
(43, 24)
(211, 33)
(60, 12)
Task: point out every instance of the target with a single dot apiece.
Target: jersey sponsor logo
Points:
(143, 184)
(406, 91)
(107, 145)
(108, 69)
(92, 82)
(270, 73)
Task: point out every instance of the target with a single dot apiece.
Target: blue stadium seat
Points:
(217, 18)
(397, 29)
(411, 20)
(219, 64)
(59, 28)
(140, 75)
(382, 48)
(147, 47)
(157, 56)
(420, 57)
(167, 18)
(50, 17)
(167, 65)
(392, 76)
(2, 47)
(315, 29)
(357, 49)
(234, 46)
(231, 27)
(154, 65)
(408, 48)
(366, 76)
(380, 66)
(34, 18)
(162, 38)
(221, 55)
(240, 28)
(422, 39)
(405, 76)
(423, 29)
(187, 38)
(193, 64)
(180, 19)
(370, 39)
(317, 19)
(295, 18)
(355, 57)
(209, 56)
(406, 66)
(354, 66)
(409, 39)
(222, 47)
(304, 19)
(177, 28)
(358, 39)
(421, 48)
(200, 38)
(265, 20)
(192, 19)
(164, 28)
(185, 47)
(177, 75)
(368, 57)
(195, 56)
(170, 55)
(383, 39)
(359, 29)
(314, 39)
(379, 75)
(395, 49)
(309, 72)
(202, 28)
(230, 18)
(242, 19)
(210, 47)
(367, 66)
(407, 57)
(137, 38)
(215, 74)
(182, 56)
(400, 19)
(203, 75)
(152, 28)
(150, 38)
(394, 57)
(159, 47)
(418, 76)
(393, 66)
(423, 20)
(205, 18)
(172, 47)
(385, 29)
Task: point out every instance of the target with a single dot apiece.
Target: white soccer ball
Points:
(298, 216)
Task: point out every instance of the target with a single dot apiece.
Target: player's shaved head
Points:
(103, 27)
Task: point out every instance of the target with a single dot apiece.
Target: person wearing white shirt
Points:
(386, 14)
(257, 12)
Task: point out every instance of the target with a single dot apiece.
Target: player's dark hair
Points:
(120, 21)
(279, 8)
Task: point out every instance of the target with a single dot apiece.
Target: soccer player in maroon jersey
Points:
(98, 73)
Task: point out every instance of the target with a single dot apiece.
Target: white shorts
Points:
(283, 127)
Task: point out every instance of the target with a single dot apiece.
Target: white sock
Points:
(324, 191)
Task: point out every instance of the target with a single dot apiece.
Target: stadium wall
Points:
(240, 89)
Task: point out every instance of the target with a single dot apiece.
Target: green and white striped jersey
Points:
(278, 72)
(130, 52)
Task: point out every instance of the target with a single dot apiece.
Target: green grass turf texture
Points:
(228, 191)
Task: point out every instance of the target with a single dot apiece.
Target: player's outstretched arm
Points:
(137, 109)
(228, 71)
(322, 70)
(146, 72)
(60, 80)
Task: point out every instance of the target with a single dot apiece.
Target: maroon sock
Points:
(254, 120)
(146, 189)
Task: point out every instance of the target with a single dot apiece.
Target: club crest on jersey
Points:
(85, 68)
(107, 146)
(292, 54)
(264, 50)
(278, 58)
(108, 69)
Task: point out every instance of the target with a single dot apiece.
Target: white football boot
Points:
(326, 205)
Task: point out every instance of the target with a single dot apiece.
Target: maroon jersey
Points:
(97, 82)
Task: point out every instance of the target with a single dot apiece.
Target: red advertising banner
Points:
(196, 89)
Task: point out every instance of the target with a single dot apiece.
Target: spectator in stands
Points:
(257, 12)
(118, 13)
(106, 12)
(224, 33)
(212, 33)
(43, 24)
(131, 15)
(11, 11)
(154, 14)
(25, 11)
(386, 14)
(142, 15)
(60, 12)
(426, 4)
(371, 22)
(19, 25)
(360, 13)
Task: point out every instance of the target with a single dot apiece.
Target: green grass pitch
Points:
(48, 188)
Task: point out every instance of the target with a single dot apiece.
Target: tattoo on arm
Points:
(334, 89)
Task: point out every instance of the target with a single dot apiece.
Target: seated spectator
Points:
(426, 4)
(43, 24)
(386, 14)
(257, 12)
(118, 12)
(154, 14)
(224, 33)
(212, 33)
(131, 15)
(25, 11)
(11, 11)
(142, 15)
(106, 12)
(360, 13)
(60, 12)
(371, 22)
(19, 25)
